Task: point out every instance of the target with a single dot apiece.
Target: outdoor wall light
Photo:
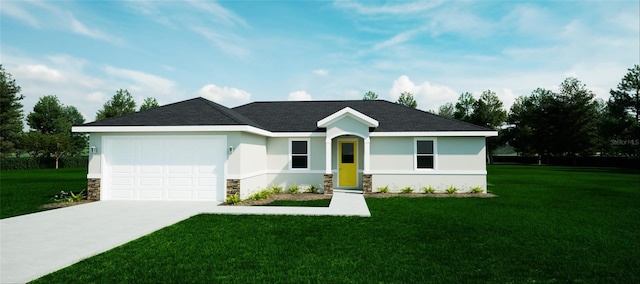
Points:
(230, 149)
(94, 150)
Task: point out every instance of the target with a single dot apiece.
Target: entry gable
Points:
(348, 112)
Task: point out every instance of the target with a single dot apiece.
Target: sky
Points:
(236, 52)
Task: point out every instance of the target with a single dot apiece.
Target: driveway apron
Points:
(36, 244)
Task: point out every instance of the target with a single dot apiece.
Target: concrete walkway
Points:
(34, 245)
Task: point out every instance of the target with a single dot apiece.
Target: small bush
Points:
(263, 194)
(233, 199)
(428, 190)
(407, 189)
(294, 189)
(64, 196)
(383, 189)
(312, 189)
(276, 189)
(451, 190)
(476, 189)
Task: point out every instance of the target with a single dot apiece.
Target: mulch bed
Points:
(315, 196)
(64, 204)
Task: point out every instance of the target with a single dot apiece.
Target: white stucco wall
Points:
(303, 180)
(253, 162)
(463, 182)
(459, 162)
(278, 154)
(346, 126)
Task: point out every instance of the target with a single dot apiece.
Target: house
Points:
(199, 150)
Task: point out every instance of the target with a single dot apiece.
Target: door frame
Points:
(355, 160)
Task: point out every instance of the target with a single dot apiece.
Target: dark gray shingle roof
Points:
(197, 111)
(285, 116)
(303, 116)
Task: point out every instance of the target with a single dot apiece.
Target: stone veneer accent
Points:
(328, 184)
(366, 183)
(233, 187)
(93, 189)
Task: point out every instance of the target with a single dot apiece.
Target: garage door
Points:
(157, 167)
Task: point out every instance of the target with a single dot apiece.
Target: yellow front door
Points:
(347, 166)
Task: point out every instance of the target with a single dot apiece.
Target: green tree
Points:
(464, 107)
(33, 143)
(48, 116)
(10, 113)
(406, 99)
(621, 118)
(532, 120)
(577, 131)
(78, 141)
(447, 110)
(370, 96)
(149, 103)
(488, 111)
(120, 104)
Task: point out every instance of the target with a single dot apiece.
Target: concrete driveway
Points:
(34, 245)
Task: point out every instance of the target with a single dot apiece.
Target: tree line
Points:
(569, 122)
(50, 122)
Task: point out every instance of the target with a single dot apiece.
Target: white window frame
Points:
(415, 153)
(291, 140)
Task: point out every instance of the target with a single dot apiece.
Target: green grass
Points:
(23, 192)
(306, 203)
(548, 225)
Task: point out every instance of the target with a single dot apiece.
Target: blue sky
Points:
(235, 52)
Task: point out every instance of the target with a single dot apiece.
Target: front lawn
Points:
(25, 191)
(548, 224)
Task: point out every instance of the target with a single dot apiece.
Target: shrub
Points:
(407, 189)
(233, 199)
(476, 189)
(383, 189)
(294, 189)
(313, 189)
(428, 189)
(64, 196)
(451, 190)
(262, 194)
(276, 189)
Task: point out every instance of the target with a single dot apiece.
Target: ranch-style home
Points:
(200, 150)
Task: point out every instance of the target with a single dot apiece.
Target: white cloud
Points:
(223, 42)
(224, 95)
(389, 9)
(397, 39)
(8, 8)
(321, 72)
(429, 96)
(219, 12)
(80, 28)
(141, 81)
(299, 96)
(39, 72)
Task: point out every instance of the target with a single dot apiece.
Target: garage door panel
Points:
(207, 182)
(151, 194)
(180, 182)
(164, 167)
(151, 182)
(123, 194)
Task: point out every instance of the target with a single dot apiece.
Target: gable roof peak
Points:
(348, 112)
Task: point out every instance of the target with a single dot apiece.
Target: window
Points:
(299, 154)
(425, 158)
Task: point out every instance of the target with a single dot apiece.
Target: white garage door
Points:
(157, 167)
